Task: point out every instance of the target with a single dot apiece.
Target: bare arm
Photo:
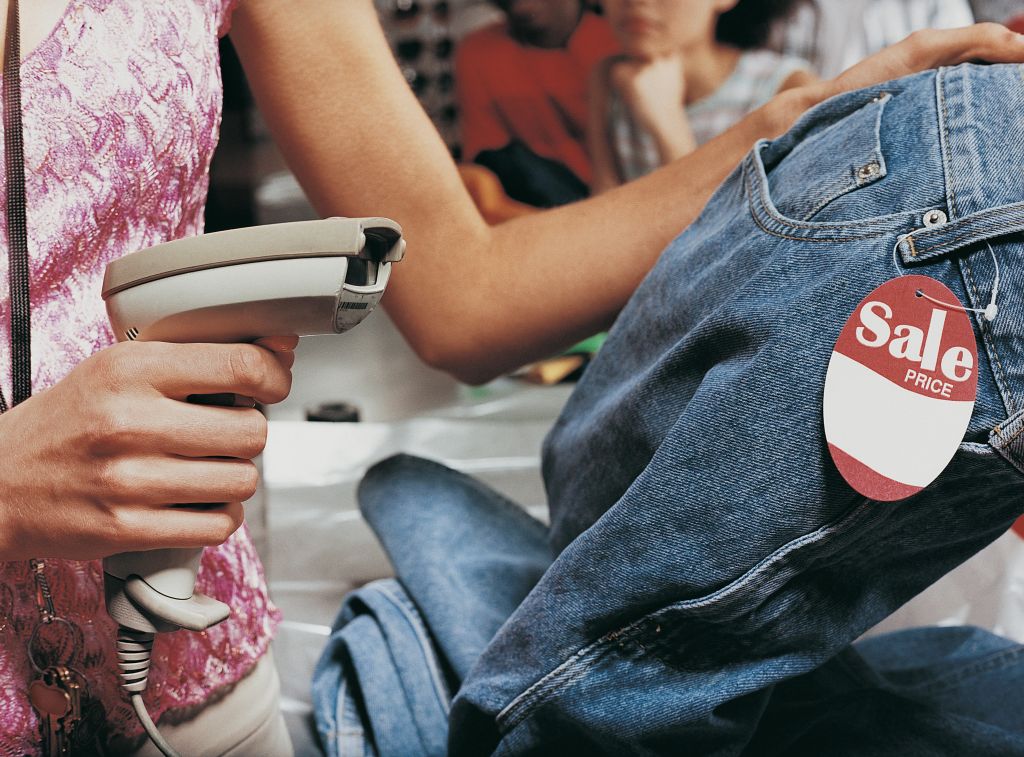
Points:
(472, 299)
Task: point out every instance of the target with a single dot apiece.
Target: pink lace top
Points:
(122, 106)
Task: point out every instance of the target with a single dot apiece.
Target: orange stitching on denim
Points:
(843, 226)
(779, 234)
(944, 130)
(1012, 439)
(753, 208)
(973, 237)
(929, 231)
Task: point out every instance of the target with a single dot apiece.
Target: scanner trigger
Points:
(197, 613)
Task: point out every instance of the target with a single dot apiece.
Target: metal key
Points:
(74, 685)
(52, 701)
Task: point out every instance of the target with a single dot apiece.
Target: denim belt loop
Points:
(930, 242)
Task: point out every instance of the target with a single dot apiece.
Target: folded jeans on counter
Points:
(713, 569)
(467, 557)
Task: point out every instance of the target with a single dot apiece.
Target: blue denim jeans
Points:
(713, 569)
(398, 651)
(469, 557)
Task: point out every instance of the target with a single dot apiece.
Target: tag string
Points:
(989, 312)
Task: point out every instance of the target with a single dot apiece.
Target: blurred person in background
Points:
(690, 70)
(522, 88)
(1006, 12)
(834, 34)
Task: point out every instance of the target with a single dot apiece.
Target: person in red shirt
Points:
(522, 91)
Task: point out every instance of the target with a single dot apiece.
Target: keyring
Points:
(77, 641)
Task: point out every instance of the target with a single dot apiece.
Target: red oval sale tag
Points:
(900, 388)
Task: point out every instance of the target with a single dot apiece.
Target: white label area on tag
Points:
(900, 388)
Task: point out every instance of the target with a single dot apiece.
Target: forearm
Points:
(543, 282)
(471, 299)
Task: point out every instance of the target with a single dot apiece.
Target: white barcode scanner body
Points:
(312, 277)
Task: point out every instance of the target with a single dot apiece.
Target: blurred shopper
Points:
(522, 87)
(835, 34)
(691, 69)
(1001, 11)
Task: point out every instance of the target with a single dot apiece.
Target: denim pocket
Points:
(793, 190)
(832, 162)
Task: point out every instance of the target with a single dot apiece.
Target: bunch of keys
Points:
(57, 697)
(58, 692)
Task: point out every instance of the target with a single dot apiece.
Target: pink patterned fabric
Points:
(122, 107)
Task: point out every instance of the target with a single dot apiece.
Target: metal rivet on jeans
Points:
(869, 171)
(935, 218)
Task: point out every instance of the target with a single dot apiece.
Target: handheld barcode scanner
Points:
(313, 277)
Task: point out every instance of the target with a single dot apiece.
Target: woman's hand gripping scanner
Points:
(315, 277)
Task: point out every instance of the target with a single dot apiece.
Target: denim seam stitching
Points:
(416, 622)
(333, 712)
(1004, 444)
(940, 81)
(579, 664)
(988, 662)
(841, 188)
(568, 671)
(840, 226)
(986, 336)
(834, 194)
(758, 572)
(756, 209)
(937, 248)
(760, 204)
(766, 205)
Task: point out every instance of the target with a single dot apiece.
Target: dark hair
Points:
(749, 22)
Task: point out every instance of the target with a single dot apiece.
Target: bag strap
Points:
(17, 220)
